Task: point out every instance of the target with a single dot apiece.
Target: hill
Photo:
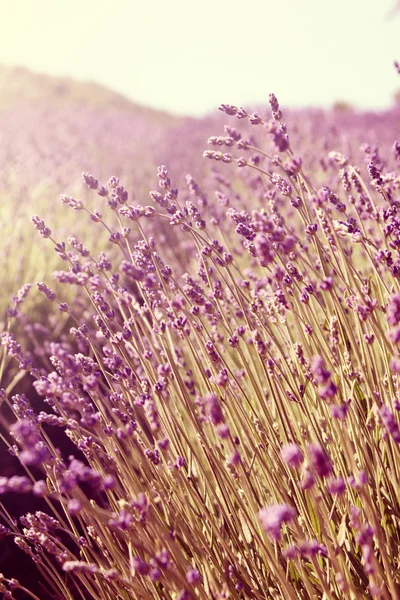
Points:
(20, 86)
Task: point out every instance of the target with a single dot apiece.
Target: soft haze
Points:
(187, 57)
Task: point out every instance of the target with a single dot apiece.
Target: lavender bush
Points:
(226, 370)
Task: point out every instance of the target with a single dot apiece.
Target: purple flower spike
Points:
(318, 369)
(74, 506)
(393, 310)
(390, 423)
(292, 455)
(273, 517)
(193, 576)
(319, 460)
(213, 409)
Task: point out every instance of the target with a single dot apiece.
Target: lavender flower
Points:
(319, 460)
(213, 409)
(273, 517)
(292, 455)
(390, 423)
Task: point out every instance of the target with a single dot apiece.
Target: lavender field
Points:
(200, 394)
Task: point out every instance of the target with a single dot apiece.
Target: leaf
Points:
(313, 518)
(341, 536)
(245, 528)
(206, 582)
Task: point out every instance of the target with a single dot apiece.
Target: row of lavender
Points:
(227, 374)
(44, 146)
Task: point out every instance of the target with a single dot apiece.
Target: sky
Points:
(188, 56)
